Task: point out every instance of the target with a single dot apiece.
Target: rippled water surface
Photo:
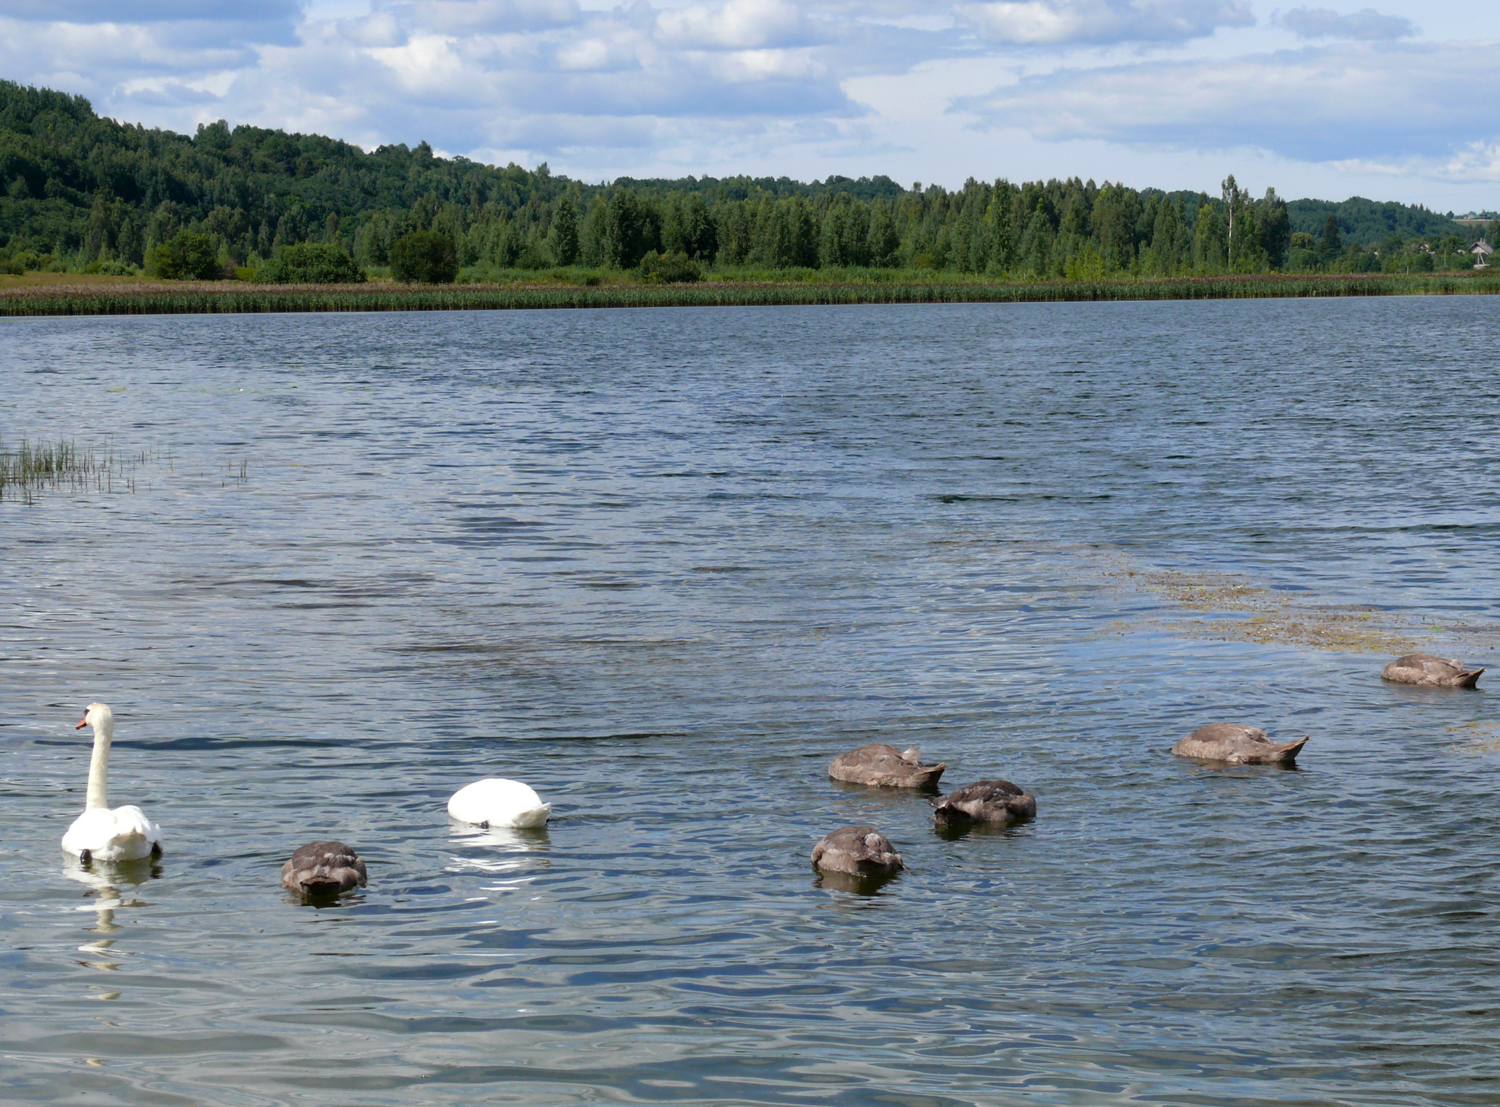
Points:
(663, 565)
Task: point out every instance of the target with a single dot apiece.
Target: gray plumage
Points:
(884, 766)
(1424, 668)
(323, 868)
(857, 850)
(986, 801)
(1238, 745)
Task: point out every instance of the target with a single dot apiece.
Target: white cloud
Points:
(1317, 105)
(374, 30)
(424, 63)
(151, 11)
(1053, 22)
(182, 24)
(603, 53)
(804, 87)
(116, 51)
(768, 65)
(1475, 161)
(1367, 25)
(499, 16)
(737, 25)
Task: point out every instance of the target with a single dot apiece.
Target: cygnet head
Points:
(98, 716)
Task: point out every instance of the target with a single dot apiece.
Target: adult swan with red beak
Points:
(99, 834)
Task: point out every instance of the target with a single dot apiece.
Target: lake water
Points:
(664, 565)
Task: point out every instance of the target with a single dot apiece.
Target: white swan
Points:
(497, 802)
(99, 834)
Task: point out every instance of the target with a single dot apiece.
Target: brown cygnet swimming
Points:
(1424, 668)
(884, 766)
(323, 868)
(987, 801)
(857, 850)
(1238, 745)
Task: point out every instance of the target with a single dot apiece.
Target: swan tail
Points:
(536, 816)
(124, 834)
(1287, 754)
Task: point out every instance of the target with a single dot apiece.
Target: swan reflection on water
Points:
(497, 849)
(864, 886)
(506, 838)
(112, 888)
(957, 832)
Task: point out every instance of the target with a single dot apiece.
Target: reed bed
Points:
(191, 298)
(33, 468)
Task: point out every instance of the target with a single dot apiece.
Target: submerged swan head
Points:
(497, 802)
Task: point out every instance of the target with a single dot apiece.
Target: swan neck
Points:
(99, 768)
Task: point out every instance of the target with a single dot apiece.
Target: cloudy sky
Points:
(1398, 101)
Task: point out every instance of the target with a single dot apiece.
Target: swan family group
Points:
(103, 833)
(865, 853)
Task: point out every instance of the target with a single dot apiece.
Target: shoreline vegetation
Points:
(74, 294)
(302, 221)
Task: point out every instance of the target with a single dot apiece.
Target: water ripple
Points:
(664, 565)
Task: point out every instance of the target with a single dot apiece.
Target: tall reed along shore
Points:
(235, 297)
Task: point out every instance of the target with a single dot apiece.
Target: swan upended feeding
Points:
(101, 834)
(860, 851)
(323, 868)
(1436, 672)
(496, 802)
(884, 766)
(1238, 745)
(987, 801)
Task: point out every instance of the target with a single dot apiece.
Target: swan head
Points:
(98, 716)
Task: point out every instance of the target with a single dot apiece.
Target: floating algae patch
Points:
(1480, 736)
(1234, 608)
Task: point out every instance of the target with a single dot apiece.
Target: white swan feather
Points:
(102, 834)
(121, 834)
(498, 802)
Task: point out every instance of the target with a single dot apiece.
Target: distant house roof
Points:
(1482, 248)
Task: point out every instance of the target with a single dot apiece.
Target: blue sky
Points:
(1397, 101)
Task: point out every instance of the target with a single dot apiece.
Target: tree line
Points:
(81, 191)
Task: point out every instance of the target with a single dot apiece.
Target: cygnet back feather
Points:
(323, 868)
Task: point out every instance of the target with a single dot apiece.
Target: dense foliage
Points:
(675, 268)
(310, 263)
(186, 256)
(1368, 223)
(427, 257)
(79, 191)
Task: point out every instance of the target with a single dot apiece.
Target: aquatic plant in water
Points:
(34, 467)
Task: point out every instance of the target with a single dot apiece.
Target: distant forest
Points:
(81, 192)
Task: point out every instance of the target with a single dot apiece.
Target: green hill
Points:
(1368, 222)
(75, 181)
(78, 190)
